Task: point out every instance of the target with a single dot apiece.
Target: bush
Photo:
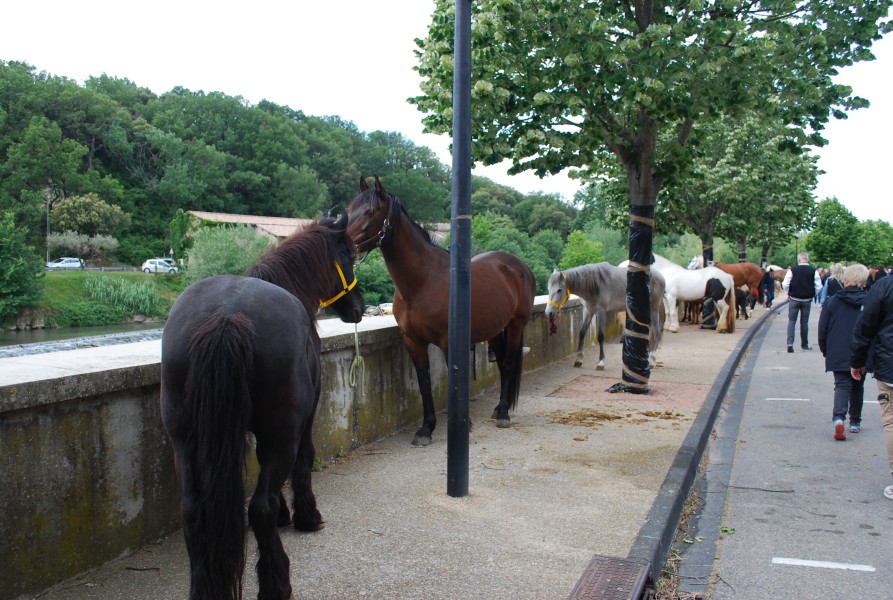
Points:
(225, 250)
(22, 272)
(374, 280)
(87, 313)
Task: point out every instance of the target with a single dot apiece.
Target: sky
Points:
(354, 59)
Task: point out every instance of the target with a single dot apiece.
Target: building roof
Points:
(278, 227)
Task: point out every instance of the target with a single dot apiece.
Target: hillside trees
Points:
(153, 154)
(583, 85)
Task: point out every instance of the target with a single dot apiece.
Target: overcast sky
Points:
(354, 59)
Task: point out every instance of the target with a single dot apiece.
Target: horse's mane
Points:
(588, 277)
(371, 195)
(302, 264)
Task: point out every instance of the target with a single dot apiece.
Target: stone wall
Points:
(86, 470)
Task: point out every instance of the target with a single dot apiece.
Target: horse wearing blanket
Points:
(684, 284)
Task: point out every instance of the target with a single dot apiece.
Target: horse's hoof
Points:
(578, 363)
(503, 423)
(600, 367)
(421, 441)
(310, 528)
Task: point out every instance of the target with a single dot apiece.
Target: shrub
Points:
(225, 250)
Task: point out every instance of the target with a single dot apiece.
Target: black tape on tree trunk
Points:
(636, 370)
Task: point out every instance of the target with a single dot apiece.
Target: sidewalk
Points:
(576, 475)
(788, 511)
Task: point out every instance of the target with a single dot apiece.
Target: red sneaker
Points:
(838, 431)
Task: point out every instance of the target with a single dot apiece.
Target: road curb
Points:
(655, 538)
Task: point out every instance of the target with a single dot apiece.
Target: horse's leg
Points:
(499, 344)
(656, 329)
(581, 338)
(419, 355)
(307, 517)
(721, 325)
(600, 319)
(510, 368)
(263, 510)
(672, 315)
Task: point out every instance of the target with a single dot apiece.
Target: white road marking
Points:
(821, 564)
(790, 399)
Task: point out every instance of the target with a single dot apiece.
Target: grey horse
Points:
(602, 288)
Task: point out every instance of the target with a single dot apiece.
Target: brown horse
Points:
(502, 291)
(745, 273)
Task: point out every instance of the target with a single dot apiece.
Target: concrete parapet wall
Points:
(86, 470)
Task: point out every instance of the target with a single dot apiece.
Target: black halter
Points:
(386, 228)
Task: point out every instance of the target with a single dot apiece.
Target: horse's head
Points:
(558, 293)
(345, 299)
(370, 216)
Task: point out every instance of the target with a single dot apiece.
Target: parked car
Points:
(66, 262)
(159, 265)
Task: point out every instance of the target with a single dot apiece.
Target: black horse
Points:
(242, 354)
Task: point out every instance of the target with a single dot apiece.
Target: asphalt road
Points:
(789, 512)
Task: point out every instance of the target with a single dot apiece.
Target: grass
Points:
(67, 299)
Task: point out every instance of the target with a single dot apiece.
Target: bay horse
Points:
(502, 292)
(684, 284)
(240, 354)
(602, 288)
(745, 273)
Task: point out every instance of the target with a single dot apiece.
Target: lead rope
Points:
(358, 362)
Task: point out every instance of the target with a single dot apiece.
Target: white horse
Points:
(689, 285)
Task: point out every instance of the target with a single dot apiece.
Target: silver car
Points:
(66, 263)
(159, 265)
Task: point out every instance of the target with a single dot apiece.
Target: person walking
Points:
(873, 333)
(833, 283)
(836, 324)
(767, 287)
(802, 284)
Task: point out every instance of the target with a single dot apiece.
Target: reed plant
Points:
(135, 297)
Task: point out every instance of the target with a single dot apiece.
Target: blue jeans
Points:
(799, 308)
(848, 396)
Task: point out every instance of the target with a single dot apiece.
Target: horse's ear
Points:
(379, 187)
(363, 185)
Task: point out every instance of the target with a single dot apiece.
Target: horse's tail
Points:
(219, 399)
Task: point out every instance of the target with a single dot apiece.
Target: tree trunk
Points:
(707, 245)
(643, 187)
(742, 247)
(764, 256)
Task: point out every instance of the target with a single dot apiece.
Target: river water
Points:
(37, 341)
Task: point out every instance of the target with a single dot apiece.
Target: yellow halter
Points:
(346, 287)
(567, 294)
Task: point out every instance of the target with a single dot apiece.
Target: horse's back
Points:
(502, 291)
(287, 342)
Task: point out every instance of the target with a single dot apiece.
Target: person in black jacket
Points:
(801, 284)
(873, 334)
(767, 287)
(836, 325)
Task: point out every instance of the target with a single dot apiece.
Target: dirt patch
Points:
(595, 418)
(676, 395)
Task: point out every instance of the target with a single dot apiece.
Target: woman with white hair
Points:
(839, 316)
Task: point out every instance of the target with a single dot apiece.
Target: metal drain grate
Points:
(608, 578)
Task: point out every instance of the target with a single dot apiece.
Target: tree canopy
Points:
(583, 85)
